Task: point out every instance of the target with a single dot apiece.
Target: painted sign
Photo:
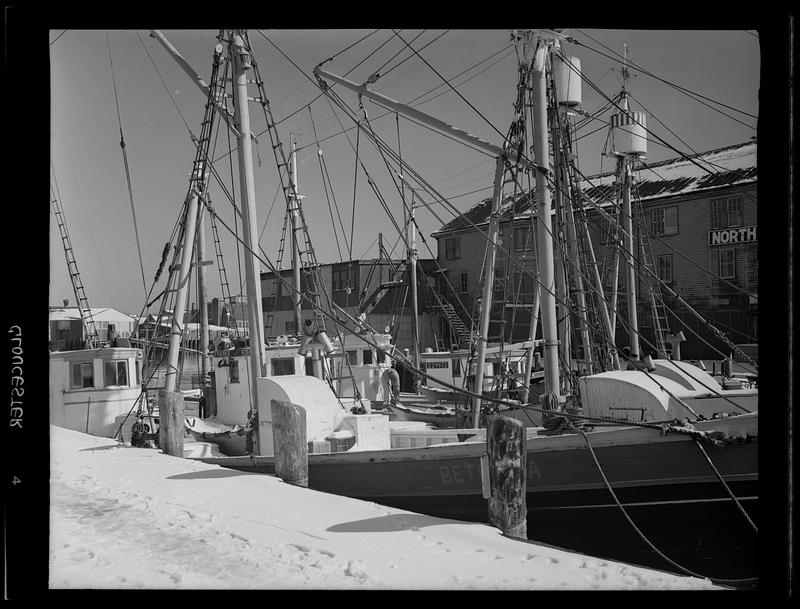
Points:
(729, 236)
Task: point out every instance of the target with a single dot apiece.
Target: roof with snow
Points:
(98, 314)
(722, 167)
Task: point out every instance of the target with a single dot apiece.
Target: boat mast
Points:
(202, 297)
(544, 226)
(567, 94)
(624, 175)
(412, 260)
(294, 213)
(526, 379)
(190, 225)
(488, 287)
(242, 63)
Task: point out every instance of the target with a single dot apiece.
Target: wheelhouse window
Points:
(352, 357)
(282, 366)
(727, 263)
(82, 375)
(726, 213)
(456, 367)
(116, 373)
(367, 355)
(452, 248)
(233, 371)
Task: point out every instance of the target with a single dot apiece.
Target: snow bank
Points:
(123, 517)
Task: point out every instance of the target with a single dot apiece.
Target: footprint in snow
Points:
(353, 571)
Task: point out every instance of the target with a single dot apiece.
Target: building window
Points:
(82, 375)
(664, 221)
(464, 283)
(523, 238)
(456, 367)
(116, 373)
(340, 280)
(752, 267)
(282, 366)
(290, 327)
(665, 268)
(726, 213)
(727, 263)
(452, 248)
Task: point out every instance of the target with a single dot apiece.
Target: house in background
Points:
(702, 212)
(377, 288)
(66, 330)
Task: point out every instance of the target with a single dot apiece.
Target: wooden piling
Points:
(170, 422)
(289, 440)
(505, 446)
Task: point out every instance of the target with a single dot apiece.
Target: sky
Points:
(157, 101)
(135, 518)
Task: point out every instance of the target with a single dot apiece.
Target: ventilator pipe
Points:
(305, 345)
(325, 342)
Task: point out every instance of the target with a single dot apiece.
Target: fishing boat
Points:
(589, 476)
(92, 379)
(91, 388)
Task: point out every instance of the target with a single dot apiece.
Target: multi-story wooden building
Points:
(702, 242)
(378, 288)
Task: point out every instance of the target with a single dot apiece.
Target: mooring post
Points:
(505, 446)
(170, 422)
(289, 439)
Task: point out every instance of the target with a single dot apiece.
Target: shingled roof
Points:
(678, 176)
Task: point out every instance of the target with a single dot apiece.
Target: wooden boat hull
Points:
(664, 482)
(443, 395)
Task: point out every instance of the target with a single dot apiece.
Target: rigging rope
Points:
(446, 81)
(127, 169)
(639, 531)
(417, 101)
(323, 169)
(684, 90)
(663, 142)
